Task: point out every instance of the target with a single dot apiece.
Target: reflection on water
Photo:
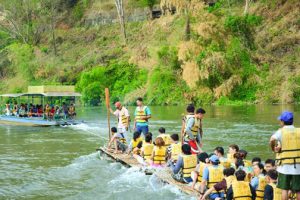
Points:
(61, 163)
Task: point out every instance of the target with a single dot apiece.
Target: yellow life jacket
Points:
(159, 155)
(196, 125)
(261, 187)
(230, 158)
(140, 113)
(276, 192)
(225, 164)
(166, 138)
(175, 151)
(148, 149)
(189, 164)
(215, 175)
(248, 163)
(123, 117)
(123, 139)
(229, 181)
(241, 190)
(200, 172)
(135, 143)
(290, 147)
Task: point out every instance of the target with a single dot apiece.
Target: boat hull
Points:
(24, 121)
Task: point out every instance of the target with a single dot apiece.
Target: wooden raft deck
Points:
(163, 175)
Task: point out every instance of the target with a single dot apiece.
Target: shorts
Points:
(142, 129)
(121, 146)
(289, 182)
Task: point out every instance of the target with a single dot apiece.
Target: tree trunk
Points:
(247, 7)
(120, 10)
(53, 29)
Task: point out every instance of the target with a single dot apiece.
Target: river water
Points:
(61, 162)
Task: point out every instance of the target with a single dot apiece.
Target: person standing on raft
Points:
(193, 128)
(287, 152)
(142, 115)
(123, 118)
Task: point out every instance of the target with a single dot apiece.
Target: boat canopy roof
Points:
(48, 94)
(47, 91)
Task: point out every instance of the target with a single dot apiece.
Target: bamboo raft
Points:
(163, 175)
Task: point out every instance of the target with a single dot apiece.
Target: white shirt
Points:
(118, 113)
(286, 168)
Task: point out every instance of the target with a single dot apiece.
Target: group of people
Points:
(49, 112)
(214, 176)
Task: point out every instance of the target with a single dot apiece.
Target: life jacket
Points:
(194, 147)
(215, 175)
(122, 139)
(290, 147)
(247, 163)
(200, 172)
(230, 180)
(195, 127)
(230, 158)
(225, 164)
(135, 143)
(140, 113)
(166, 138)
(175, 151)
(72, 109)
(159, 155)
(189, 165)
(276, 192)
(241, 190)
(123, 116)
(148, 149)
(261, 187)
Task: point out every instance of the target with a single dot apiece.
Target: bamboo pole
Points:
(108, 112)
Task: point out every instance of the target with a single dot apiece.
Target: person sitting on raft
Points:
(198, 173)
(233, 149)
(270, 164)
(146, 150)
(211, 175)
(223, 185)
(185, 164)
(159, 153)
(136, 140)
(174, 150)
(258, 182)
(271, 190)
(164, 136)
(118, 140)
(241, 189)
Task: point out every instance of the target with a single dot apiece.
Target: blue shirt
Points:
(178, 166)
(148, 112)
(254, 182)
(205, 175)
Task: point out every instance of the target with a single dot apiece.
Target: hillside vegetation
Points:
(229, 58)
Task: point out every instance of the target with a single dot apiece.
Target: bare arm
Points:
(208, 192)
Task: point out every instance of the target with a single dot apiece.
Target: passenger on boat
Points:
(40, 111)
(65, 110)
(47, 111)
(240, 189)
(118, 140)
(174, 150)
(147, 149)
(211, 175)
(166, 137)
(219, 151)
(243, 155)
(256, 160)
(72, 111)
(197, 175)
(123, 117)
(142, 115)
(7, 109)
(30, 113)
(258, 182)
(271, 190)
(240, 165)
(136, 141)
(22, 111)
(270, 164)
(233, 148)
(185, 164)
(285, 142)
(159, 153)
(223, 185)
(15, 111)
(52, 112)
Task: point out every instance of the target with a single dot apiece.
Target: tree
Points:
(150, 4)
(247, 5)
(120, 10)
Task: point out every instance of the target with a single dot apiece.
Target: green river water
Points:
(61, 162)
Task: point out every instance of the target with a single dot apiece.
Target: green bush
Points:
(226, 101)
(168, 57)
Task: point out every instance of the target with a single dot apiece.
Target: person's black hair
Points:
(190, 108)
(228, 171)
(220, 150)
(202, 157)
(200, 110)
(243, 153)
(149, 133)
(140, 99)
(270, 161)
(148, 138)
(175, 137)
(162, 130)
(136, 135)
(210, 155)
(261, 167)
(234, 146)
(114, 129)
(186, 149)
(273, 174)
(140, 144)
(288, 123)
(239, 163)
(256, 159)
(240, 175)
